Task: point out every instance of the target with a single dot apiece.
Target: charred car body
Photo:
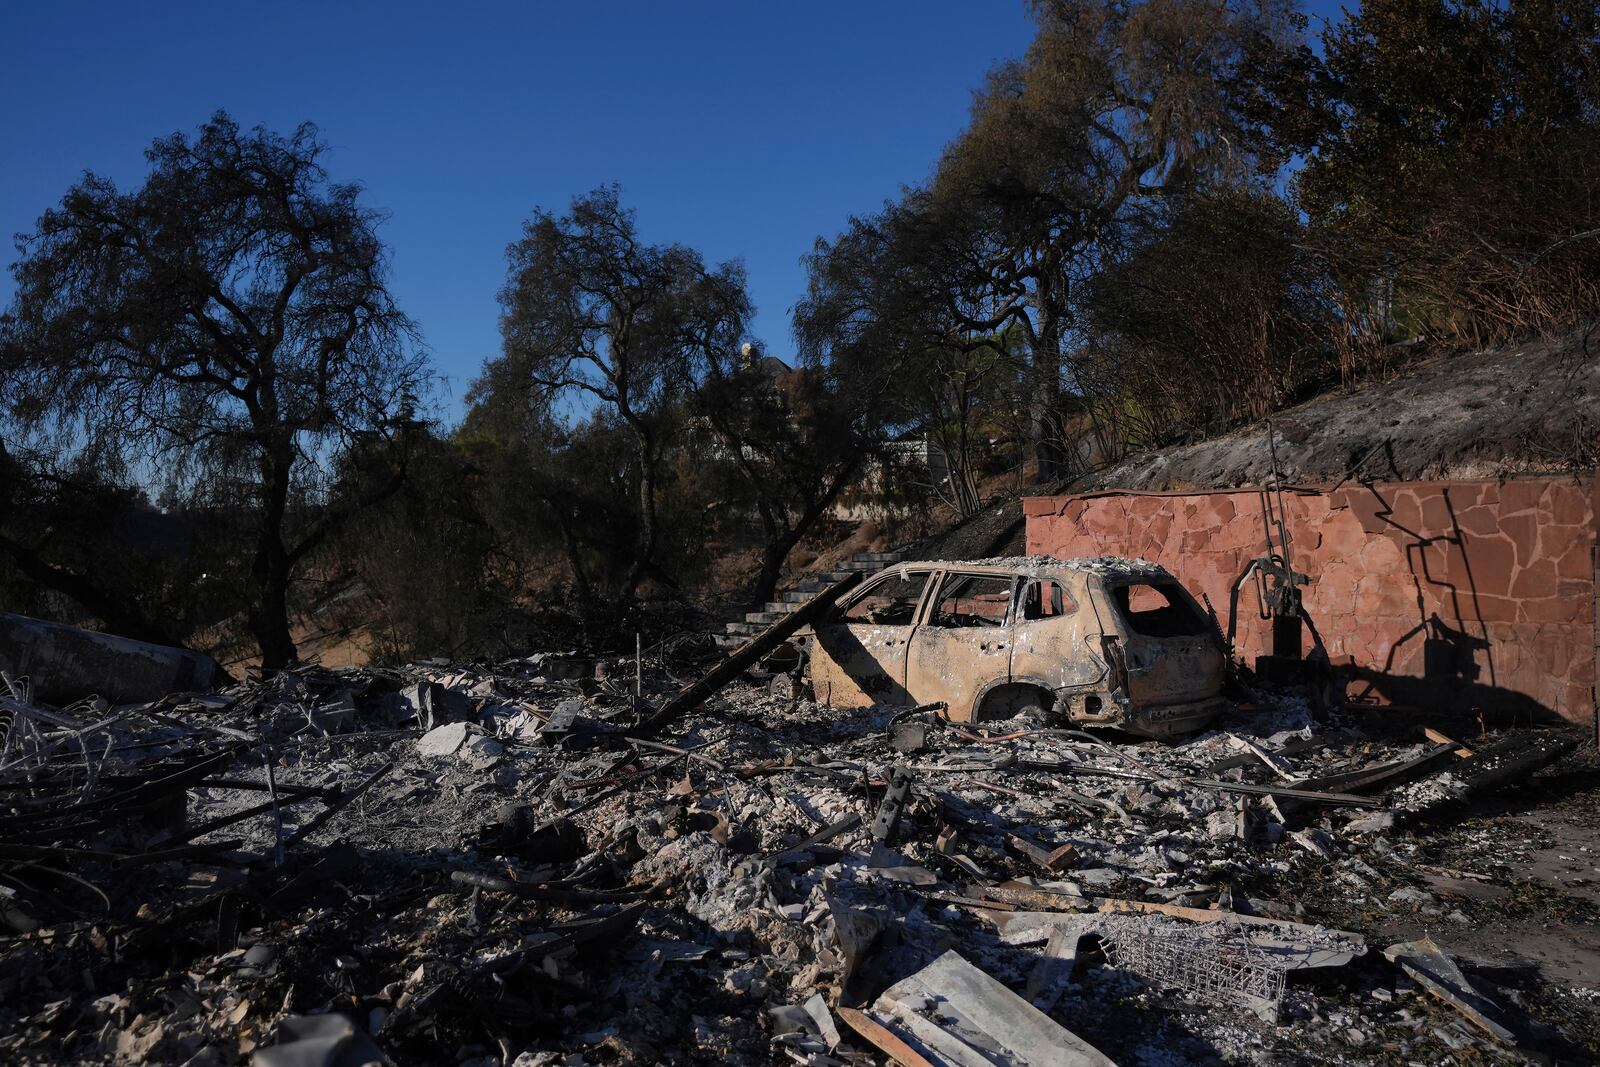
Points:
(1103, 642)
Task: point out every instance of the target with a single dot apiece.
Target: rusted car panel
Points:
(859, 652)
(1102, 642)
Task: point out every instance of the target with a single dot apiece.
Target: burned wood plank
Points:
(529, 891)
(827, 833)
(1293, 748)
(1512, 758)
(1018, 894)
(1269, 759)
(1382, 775)
(1090, 771)
(1430, 968)
(1439, 738)
(1114, 904)
(882, 1038)
(1316, 795)
(1054, 860)
(337, 805)
(201, 829)
(746, 655)
(181, 852)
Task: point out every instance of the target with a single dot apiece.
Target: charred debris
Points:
(570, 859)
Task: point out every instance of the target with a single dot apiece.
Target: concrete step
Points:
(823, 581)
(764, 618)
(794, 597)
(745, 628)
(782, 607)
(730, 641)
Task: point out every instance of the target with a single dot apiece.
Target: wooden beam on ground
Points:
(1440, 739)
(1114, 905)
(1297, 793)
(746, 656)
(1382, 775)
(1430, 968)
(882, 1038)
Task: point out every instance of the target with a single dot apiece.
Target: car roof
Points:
(1040, 566)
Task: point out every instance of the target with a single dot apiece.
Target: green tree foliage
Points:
(1453, 153)
(79, 540)
(422, 557)
(226, 327)
(976, 287)
(591, 310)
(549, 488)
(1115, 109)
(900, 308)
(1219, 315)
(796, 438)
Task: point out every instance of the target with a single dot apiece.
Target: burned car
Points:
(1102, 642)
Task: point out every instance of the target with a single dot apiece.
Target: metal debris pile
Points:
(501, 865)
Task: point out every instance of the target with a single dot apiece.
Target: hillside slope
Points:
(1530, 409)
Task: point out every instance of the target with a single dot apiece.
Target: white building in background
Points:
(917, 461)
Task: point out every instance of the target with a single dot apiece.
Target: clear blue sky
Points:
(744, 129)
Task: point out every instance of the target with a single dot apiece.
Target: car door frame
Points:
(837, 686)
(934, 690)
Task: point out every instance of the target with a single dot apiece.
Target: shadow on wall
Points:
(1457, 656)
(1451, 677)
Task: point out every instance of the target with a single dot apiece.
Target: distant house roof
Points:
(775, 369)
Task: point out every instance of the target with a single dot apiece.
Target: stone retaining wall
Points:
(1477, 594)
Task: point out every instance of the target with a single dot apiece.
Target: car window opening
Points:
(1159, 610)
(972, 600)
(892, 602)
(1045, 599)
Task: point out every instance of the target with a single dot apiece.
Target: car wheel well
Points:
(1011, 699)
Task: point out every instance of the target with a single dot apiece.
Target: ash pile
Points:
(502, 864)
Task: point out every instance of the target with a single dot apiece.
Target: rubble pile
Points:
(504, 865)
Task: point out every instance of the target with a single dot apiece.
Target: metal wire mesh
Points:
(1220, 964)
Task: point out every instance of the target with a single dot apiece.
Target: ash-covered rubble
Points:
(487, 865)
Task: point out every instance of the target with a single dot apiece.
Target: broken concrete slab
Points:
(885, 1040)
(428, 704)
(65, 663)
(951, 1012)
(1315, 841)
(479, 751)
(445, 740)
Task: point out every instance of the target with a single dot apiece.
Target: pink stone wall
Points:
(1460, 594)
